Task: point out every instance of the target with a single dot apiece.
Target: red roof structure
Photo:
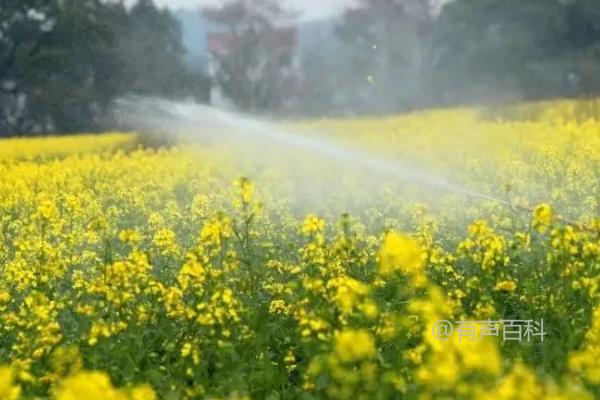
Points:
(221, 43)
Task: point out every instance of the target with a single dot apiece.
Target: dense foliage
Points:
(410, 54)
(63, 62)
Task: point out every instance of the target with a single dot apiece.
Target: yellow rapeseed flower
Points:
(89, 386)
(9, 390)
(312, 224)
(542, 217)
(354, 345)
(400, 253)
(507, 286)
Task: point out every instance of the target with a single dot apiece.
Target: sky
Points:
(311, 9)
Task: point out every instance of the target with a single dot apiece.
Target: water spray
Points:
(151, 114)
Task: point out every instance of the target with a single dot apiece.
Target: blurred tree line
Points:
(408, 54)
(63, 61)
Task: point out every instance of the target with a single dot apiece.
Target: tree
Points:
(56, 68)
(254, 67)
(390, 42)
(494, 49)
(21, 36)
(62, 62)
(152, 50)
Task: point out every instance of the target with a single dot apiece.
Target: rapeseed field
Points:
(134, 273)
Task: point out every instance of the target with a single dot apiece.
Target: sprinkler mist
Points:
(205, 122)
